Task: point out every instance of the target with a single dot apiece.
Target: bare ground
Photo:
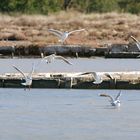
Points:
(101, 28)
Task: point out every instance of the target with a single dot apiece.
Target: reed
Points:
(101, 28)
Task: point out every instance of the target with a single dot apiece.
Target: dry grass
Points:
(101, 28)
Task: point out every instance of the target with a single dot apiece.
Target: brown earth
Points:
(100, 28)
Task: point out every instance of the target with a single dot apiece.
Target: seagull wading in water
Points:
(52, 57)
(27, 78)
(114, 101)
(63, 35)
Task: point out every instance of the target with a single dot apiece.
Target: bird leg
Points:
(98, 86)
(29, 87)
(25, 88)
(65, 42)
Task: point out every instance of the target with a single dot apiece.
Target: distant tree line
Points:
(87, 6)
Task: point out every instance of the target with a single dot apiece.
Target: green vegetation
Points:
(87, 6)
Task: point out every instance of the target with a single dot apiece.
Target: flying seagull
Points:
(27, 78)
(114, 101)
(97, 78)
(63, 35)
(52, 57)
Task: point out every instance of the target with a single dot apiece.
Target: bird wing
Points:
(134, 39)
(40, 61)
(85, 73)
(76, 31)
(109, 76)
(105, 95)
(42, 55)
(33, 68)
(20, 71)
(56, 32)
(62, 58)
(93, 73)
(96, 77)
(138, 45)
(137, 42)
(119, 94)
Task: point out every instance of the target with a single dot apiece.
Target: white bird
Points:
(63, 35)
(97, 78)
(114, 101)
(52, 57)
(27, 78)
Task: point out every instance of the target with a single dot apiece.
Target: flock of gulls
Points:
(50, 58)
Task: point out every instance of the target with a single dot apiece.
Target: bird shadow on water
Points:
(109, 107)
(68, 104)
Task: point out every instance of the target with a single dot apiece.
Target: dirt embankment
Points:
(101, 28)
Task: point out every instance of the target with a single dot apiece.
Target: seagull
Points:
(97, 78)
(114, 101)
(52, 57)
(63, 35)
(27, 78)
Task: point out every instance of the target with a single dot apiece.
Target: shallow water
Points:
(60, 114)
(79, 65)
(67, 114)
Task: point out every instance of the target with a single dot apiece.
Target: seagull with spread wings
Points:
(63, 35)
(114, 101)
(27, 78)
(52, 57)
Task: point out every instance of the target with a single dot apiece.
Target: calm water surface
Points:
(79, 65)
(67, 114)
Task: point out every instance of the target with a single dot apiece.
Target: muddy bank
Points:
(115, 80)
(28, 49)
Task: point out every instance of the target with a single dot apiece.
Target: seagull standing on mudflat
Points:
(52, 57)
(27, 78)
(114, 101)
(63, 35)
